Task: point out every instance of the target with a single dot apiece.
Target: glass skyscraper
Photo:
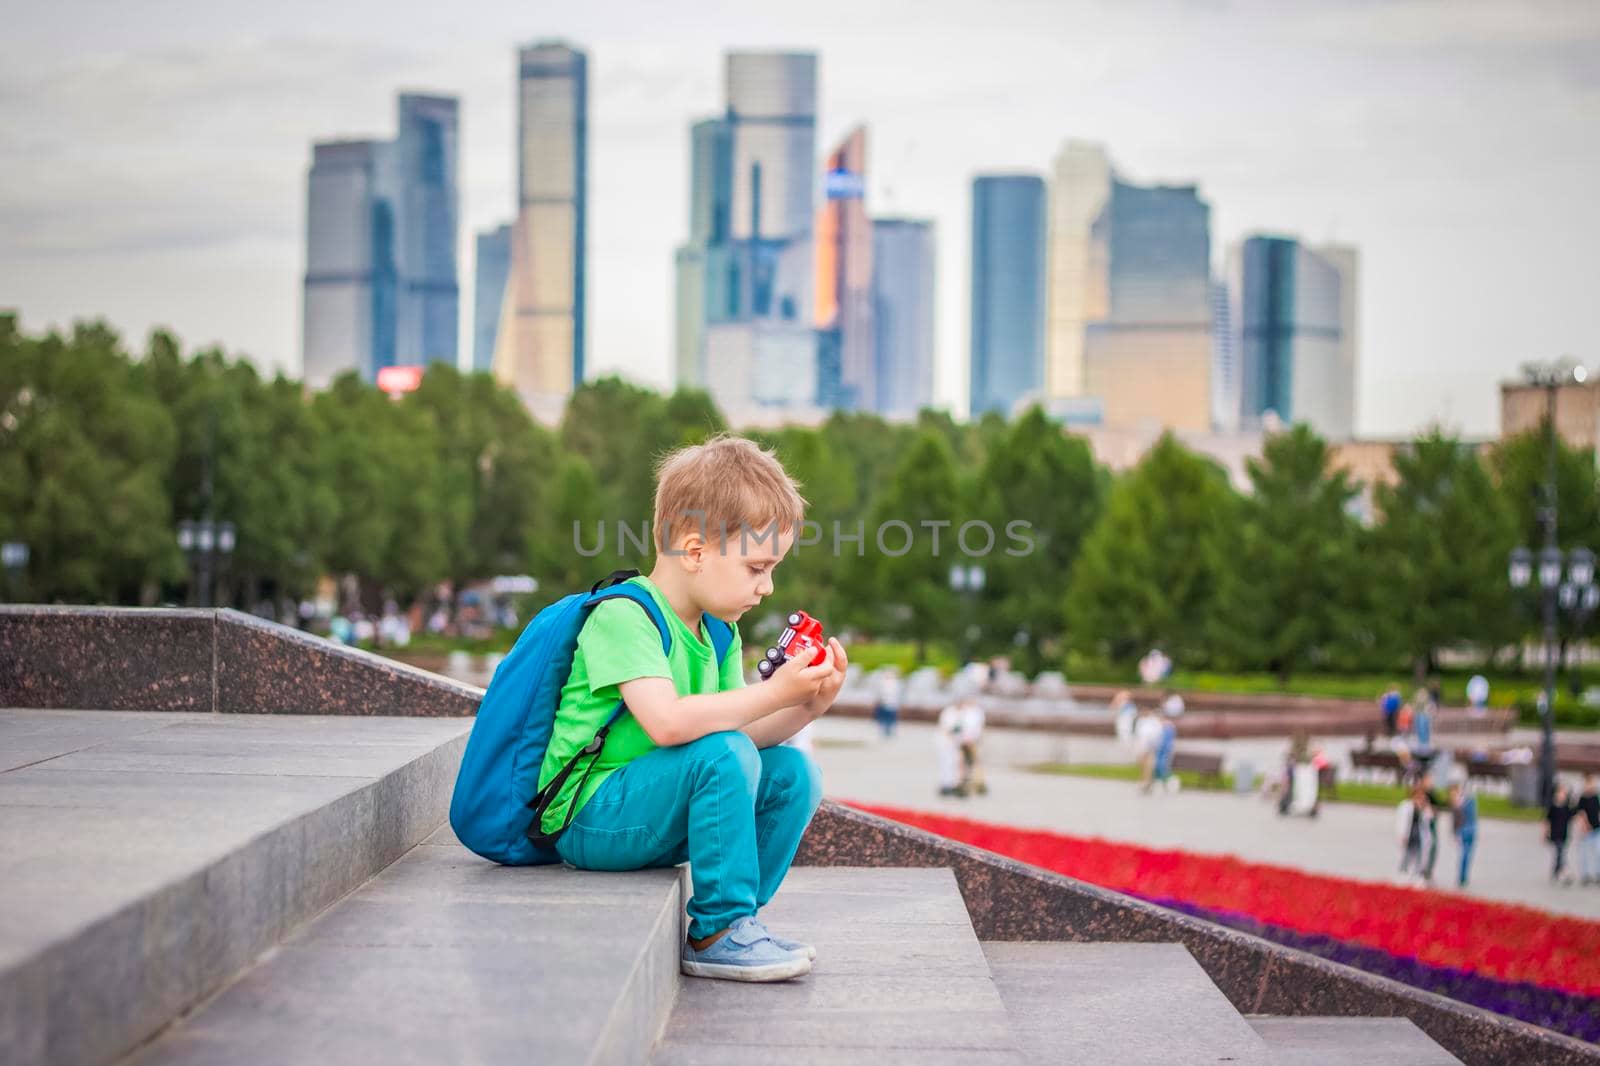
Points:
(493, 268)
(539, 349)
(425, 155)
(381, 283)
(1130, 298)
(349, 310)
(1148, 359)
(1008, 289)
(844, 281)
(1289, 306)
(903, 301)
(745, 277)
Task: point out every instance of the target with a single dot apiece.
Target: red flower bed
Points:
(1498, 940)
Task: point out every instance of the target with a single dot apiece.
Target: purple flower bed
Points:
(1565, 1012)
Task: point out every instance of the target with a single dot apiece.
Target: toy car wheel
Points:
(773, 655)
(794, 619)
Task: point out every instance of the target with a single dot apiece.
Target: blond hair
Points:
(722, 487)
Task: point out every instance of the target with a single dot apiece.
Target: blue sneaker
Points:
(793, 946)
(746, 952)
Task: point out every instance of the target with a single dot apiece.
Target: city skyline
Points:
(1472, 255)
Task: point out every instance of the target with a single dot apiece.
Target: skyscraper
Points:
(539, 349)
(425, 154)
(1225, 382)
(1130, 301)
(903, 300)
(1008, 288)
(381, 282)
(489, 290)
(349, 310)
(1079, 189)
(745, 277)
(1149, 358)
(1289, 307)
(844, 277)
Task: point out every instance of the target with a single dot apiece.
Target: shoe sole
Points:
(777, 971)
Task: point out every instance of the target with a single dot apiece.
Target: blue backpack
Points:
(498, 806)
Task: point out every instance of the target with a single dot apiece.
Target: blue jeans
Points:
(1466, 840)
(733, 813)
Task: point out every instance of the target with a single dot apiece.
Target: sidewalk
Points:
(1511, 864)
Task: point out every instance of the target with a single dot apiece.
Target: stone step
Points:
(1349, 1042)
(900, 978)
(446, 958)
(1131, 1004)
(147, 858)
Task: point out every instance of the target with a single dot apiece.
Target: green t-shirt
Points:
(618, 643)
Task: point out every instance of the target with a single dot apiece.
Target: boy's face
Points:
(732, 577)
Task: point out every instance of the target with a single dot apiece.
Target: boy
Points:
(696, 770)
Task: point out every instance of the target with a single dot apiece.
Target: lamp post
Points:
(1579, 596)
(14, 557)
(967, 581)
(202, 542)
(1550, 377)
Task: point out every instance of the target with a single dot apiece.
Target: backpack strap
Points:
(612, 587)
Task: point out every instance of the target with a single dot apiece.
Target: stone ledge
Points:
(207, 661)
(1010, 900)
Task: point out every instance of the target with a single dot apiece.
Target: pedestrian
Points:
(972, 721)
(1124, 713)
(1436, 805)
(886, 712)
(1389, 706)
(1464, 811)
(947, 750)
(1558, 817)
(1422, 721)
(1478, 693)
(1411, 828)
(1589, 830)
(1170, 709)
(1147, 733)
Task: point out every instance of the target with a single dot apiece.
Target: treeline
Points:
(103, 453)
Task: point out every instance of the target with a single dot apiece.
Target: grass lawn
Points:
(1489, 806)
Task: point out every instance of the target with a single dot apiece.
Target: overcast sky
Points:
(153, 154)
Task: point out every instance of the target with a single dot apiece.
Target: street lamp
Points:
(1550, 377)
(202, 542)
(967, 581)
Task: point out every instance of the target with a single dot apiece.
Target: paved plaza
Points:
(1348, 840)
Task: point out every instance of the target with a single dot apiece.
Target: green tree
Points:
(1295, 584)
(1048, 481)
(907, 588)
(1441, 550)
(1520, 465)
(1152, 566)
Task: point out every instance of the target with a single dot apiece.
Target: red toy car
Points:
(803, 634)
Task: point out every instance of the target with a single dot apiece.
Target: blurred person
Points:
(1147, 733)
(972, 722)
(1464, 819)
(1171, 708)
(1389, 706)
(1558, 818)
(886, 711)
(1589, 829)
(1437, 802)
(947, 750)
(1478, 693)
(1422, 720)
(1411, 830)
(1124, 712)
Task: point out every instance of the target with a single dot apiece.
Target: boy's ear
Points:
(692, 551)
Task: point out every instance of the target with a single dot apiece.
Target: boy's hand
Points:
(798, 683)
(828, 691)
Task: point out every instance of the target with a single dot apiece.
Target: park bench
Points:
(1377, 761)
(1205, 764)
